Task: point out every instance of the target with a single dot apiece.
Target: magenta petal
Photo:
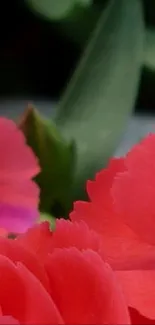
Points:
(17, 219)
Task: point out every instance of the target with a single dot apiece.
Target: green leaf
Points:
(49, 218)
(103, 90)
(56, 9)
(57, 161)
(81, 22)
(149, 53)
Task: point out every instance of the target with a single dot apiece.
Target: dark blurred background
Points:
(37, 59)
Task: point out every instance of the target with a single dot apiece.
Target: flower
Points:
(121, 209)
(58, 278)
(19, 195)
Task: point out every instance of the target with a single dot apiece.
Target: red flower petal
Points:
(40, 308)
(139, 289)
(37, 239)
(8, 320)
(12, 291)
(23, 297)
(135, 201)
(121, 246)
(15, 252)
(17, 161)
(42, 241)
(141, 157)
(84, 288)
(138, 319)
(68, 234)
(99, 189)
(134, 191)
(100, 216)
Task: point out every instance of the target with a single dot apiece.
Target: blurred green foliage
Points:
(95, 106)
(102, 92)
(49, 218)
(56, 158)
(57, 9)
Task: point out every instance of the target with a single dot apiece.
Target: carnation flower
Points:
(57, 278)
(121, 209)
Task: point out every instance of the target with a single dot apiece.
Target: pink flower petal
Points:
(17, 219)
(16, 193)
(17, 159)
(24, 194)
